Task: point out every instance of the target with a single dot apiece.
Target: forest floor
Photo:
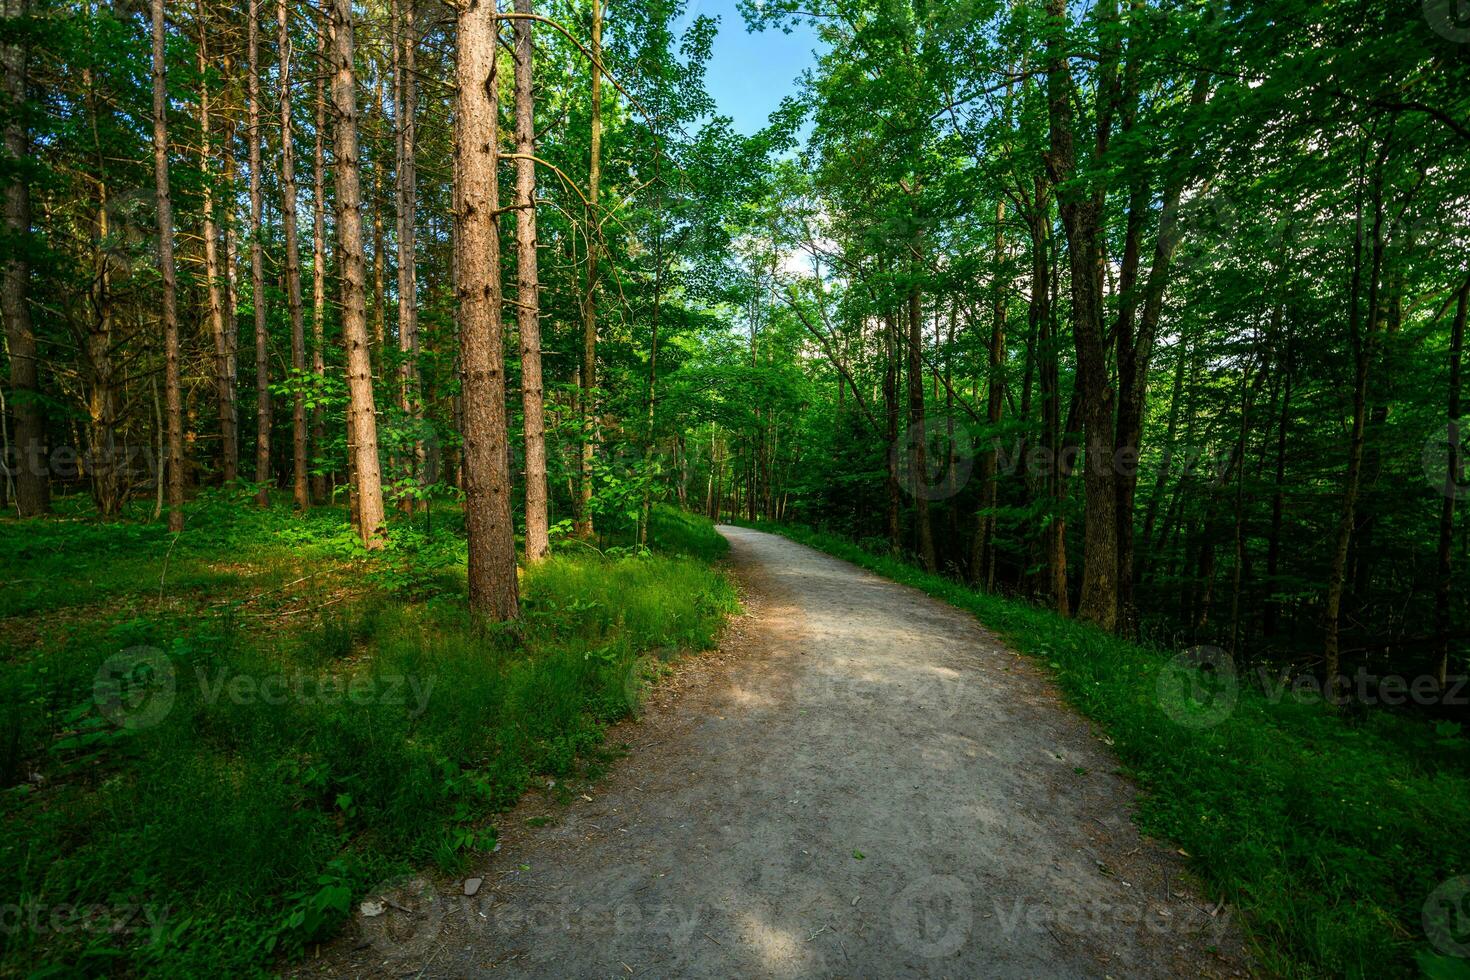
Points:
(862, 781)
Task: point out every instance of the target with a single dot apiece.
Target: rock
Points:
(472, 885)
(369, 908)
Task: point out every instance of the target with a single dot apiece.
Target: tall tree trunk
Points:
(362, 422)
(1134, 352)
(589, 295)
(319, 260)
(1082, 211)
(230, 242)
(890, 404)
(1278, 493)
(380, 304)
(528, 313)
(919, 458)
(492, 555)
(257, 270)
(224, 386)
(1363, 350)
(293, 266)
(173, 389)
(982, 558)
(32, 488)
(406, 103)
(1453, 486)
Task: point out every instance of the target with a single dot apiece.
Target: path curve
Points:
(861, 782)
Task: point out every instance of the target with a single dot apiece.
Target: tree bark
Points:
(173, 389)
(492, 558)
(982, 556)
(319, 260)
(362, 422)
(919, 457)
(528, 313)
(1363, 350)
(406, 104)
(890, 404)
(223, 374)
(293, 267)
(1082, 211)
(589, 295)
(1453, 486)
(257, 270)
(31, 463)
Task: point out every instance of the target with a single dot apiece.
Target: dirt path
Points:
(862, 782)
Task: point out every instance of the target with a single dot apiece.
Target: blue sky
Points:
(750, 73)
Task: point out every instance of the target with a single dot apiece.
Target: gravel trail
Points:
(861, 782)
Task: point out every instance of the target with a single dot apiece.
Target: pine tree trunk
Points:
(362, 418)
(528, 294)
(223, 383)
(589, 295)
(380, 304)
(293, 267)
(1453, 486)
(406, 103)
(257, 270)
(319, 259)
(32, 465)
(173, 389)
(492, 557)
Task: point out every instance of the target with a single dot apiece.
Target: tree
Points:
(33, 488)
(589, 296)
(528, 290)
(172, 385)
(299, 488)
(362, 420)
(492, 561)
(257, 267)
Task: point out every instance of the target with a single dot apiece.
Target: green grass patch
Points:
(1329, 833)
(200, 777)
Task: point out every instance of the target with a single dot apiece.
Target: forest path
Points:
(861, 782)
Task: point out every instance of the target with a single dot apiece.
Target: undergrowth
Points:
(209, 748)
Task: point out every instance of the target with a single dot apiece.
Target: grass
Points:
(210, 748)
(1329, 833)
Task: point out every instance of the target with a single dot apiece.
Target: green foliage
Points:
(319, 733)
(1327, 834)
